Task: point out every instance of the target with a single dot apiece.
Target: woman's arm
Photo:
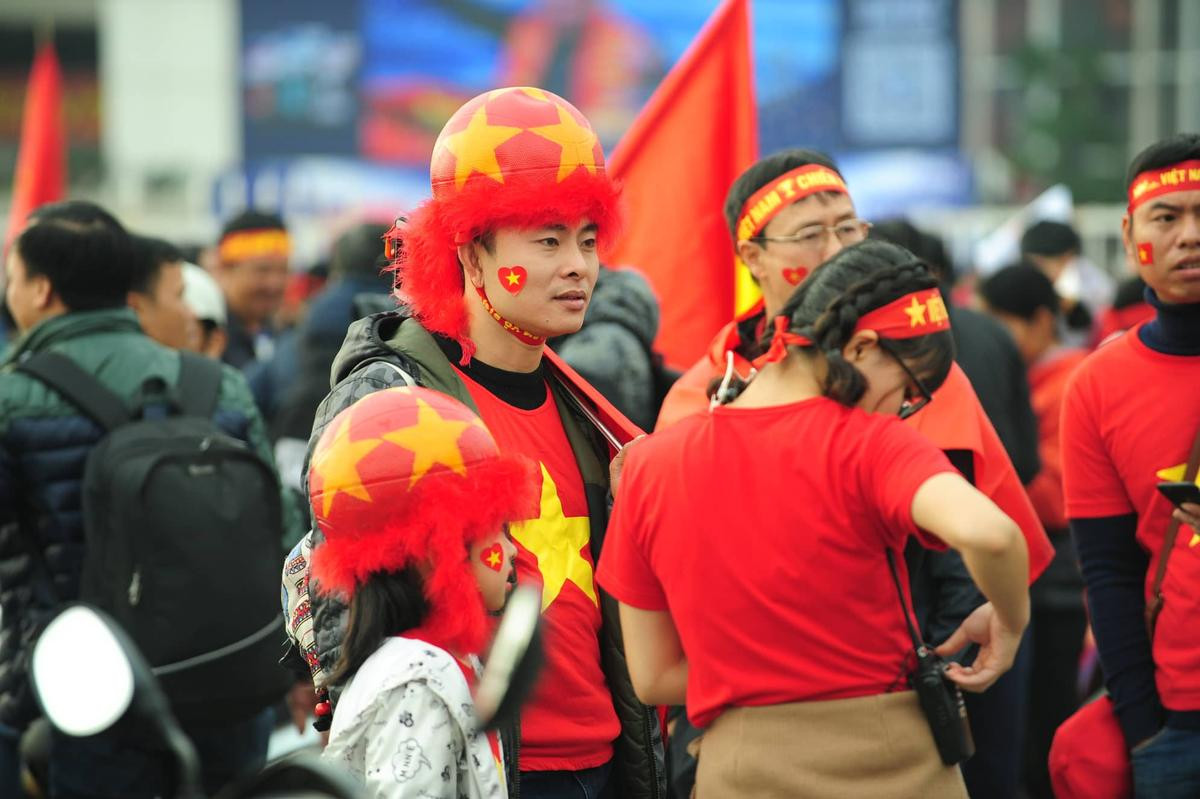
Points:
(658, 667)
(995, 554)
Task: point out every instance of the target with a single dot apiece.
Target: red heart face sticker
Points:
(794, 276)
(493, 557)
(512, 278)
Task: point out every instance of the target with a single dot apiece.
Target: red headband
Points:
(1184, 176)
(766, 203)
(917, 314)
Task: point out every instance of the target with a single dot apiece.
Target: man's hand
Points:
(1189, 514)
(301, 700)
(616, 464)
(998, 648)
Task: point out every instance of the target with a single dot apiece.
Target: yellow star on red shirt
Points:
(474, 148)
(1174, 474)
(337, 465)
(432, 441)
(578, 143)
(557, 541)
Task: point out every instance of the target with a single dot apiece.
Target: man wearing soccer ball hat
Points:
(503, 256)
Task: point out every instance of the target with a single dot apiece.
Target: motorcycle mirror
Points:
(88, 674)
(81, 673)
(513, 662)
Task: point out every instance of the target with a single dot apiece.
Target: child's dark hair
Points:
(388, 603)
(826, 309)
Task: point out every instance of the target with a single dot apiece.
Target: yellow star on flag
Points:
(916, 312)
(556, 541)
(578, 143)
(339, 469)
(432, 440)
(474, 148)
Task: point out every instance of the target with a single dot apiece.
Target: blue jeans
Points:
(590, 783)
(122, 762)
(1169, 766)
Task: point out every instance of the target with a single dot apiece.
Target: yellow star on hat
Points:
(578, 143)
(432, 440)
(337, 464)
(474, 147)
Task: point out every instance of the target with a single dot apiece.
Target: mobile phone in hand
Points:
(1180, 492)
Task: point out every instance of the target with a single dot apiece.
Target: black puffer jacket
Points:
(44, 444)
(387, 350)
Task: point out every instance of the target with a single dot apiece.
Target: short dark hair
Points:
(1172, 150)
(253, 219)
(1050, 238)
(1020, 289)
(762, 173)
(150, 255)
(84, 252)
(926, 246)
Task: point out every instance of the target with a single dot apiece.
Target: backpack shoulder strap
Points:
(199, 386)
(81, 389)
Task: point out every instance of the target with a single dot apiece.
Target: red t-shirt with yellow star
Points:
(569, 723)
(764, 532)
(1128, 422)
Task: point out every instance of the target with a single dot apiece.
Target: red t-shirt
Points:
(1047, 386)
(764, 532)
(569, 723)
(1128, 423)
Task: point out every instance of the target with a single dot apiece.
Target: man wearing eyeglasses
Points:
(788, 214)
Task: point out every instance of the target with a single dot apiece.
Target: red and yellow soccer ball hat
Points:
(405, 476)
(516, 157)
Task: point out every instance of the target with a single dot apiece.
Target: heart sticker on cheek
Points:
(512, 278)
(794, 276)
(493, 557)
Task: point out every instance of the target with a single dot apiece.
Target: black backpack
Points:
(183, 538)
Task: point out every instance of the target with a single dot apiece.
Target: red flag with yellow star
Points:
(698, 132)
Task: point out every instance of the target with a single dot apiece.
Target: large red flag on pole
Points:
(41, 160)
(697, 133)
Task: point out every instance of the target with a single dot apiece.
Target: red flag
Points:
(41, 160)
(678, 160)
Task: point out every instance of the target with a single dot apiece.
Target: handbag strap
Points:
(908, 616)
(1168, 544)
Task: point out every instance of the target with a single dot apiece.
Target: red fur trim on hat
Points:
(429, 277)
(435, 523)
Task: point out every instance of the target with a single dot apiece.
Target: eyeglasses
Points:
(924, 396)
(815, 238)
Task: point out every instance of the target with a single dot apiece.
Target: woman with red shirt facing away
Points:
(1023, 299)
(750, 549)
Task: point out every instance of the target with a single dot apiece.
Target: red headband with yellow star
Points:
(917, 314)
(510, 158)
(1184, 176)
(409, 476)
